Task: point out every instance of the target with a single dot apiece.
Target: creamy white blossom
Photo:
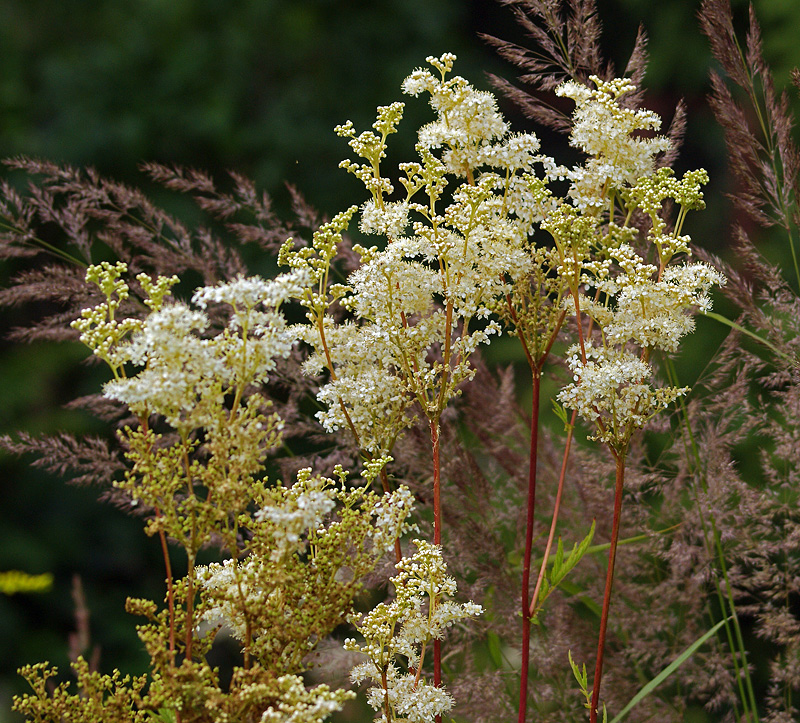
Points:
(180, 367)
(613, 389)
(603, 128)
(302, 508)
(390, 220)
(403, 628)
(298, 705)
(251, 291)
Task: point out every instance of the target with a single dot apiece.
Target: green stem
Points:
(733, 325)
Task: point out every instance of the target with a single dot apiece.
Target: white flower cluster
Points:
(613, 387)
(468, 118)
(179, 367)
(186, 374)
(604, 129)
(412, 700)
(420, 304)
(302, 508)
(636, 306)
(298, 705)
(403, 628)
(297, 527)
(652, 313)
(390, 220)
(642, 307)
(234, 586)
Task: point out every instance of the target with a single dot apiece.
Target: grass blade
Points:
(669, 670)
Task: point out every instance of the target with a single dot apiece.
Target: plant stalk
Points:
(437, 540)
(526, 569)
(612, 554)
(556, 508)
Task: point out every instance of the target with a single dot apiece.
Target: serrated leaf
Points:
(545, 590)
(561, 413)
(558, 562)
(581, 677)
(560, 567)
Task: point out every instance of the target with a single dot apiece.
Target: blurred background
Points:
(254, 86)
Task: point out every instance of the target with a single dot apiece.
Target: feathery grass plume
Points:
(67, 217)
(762, 154)
(742, 409)
(566, 46)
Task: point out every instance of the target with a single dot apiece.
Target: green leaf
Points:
(561, 413)
(165, 715)
(733, 325)
(669, 670)
(561, 568)
(580, 675)
(557, 563)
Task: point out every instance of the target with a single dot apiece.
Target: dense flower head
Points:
(419, 613)
(179, 366)
(185, 372)
(299, 705)
(604, 129)
(295, 549)
(612, 388)
(300, 509)
(412, 700)
(248, 293)
(467, 117)
(653, 314)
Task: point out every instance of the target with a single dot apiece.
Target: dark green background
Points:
(255, 86)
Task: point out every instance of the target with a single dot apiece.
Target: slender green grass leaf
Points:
(733, 325)
(669, 670)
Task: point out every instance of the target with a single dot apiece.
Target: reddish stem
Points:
(556, 508)
(170, 593)
(612, 553)
(526, 569)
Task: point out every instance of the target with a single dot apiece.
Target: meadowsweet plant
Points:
(596, 270)
(421, 304)
(588, 266)
(641, 307)
(294, 555)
